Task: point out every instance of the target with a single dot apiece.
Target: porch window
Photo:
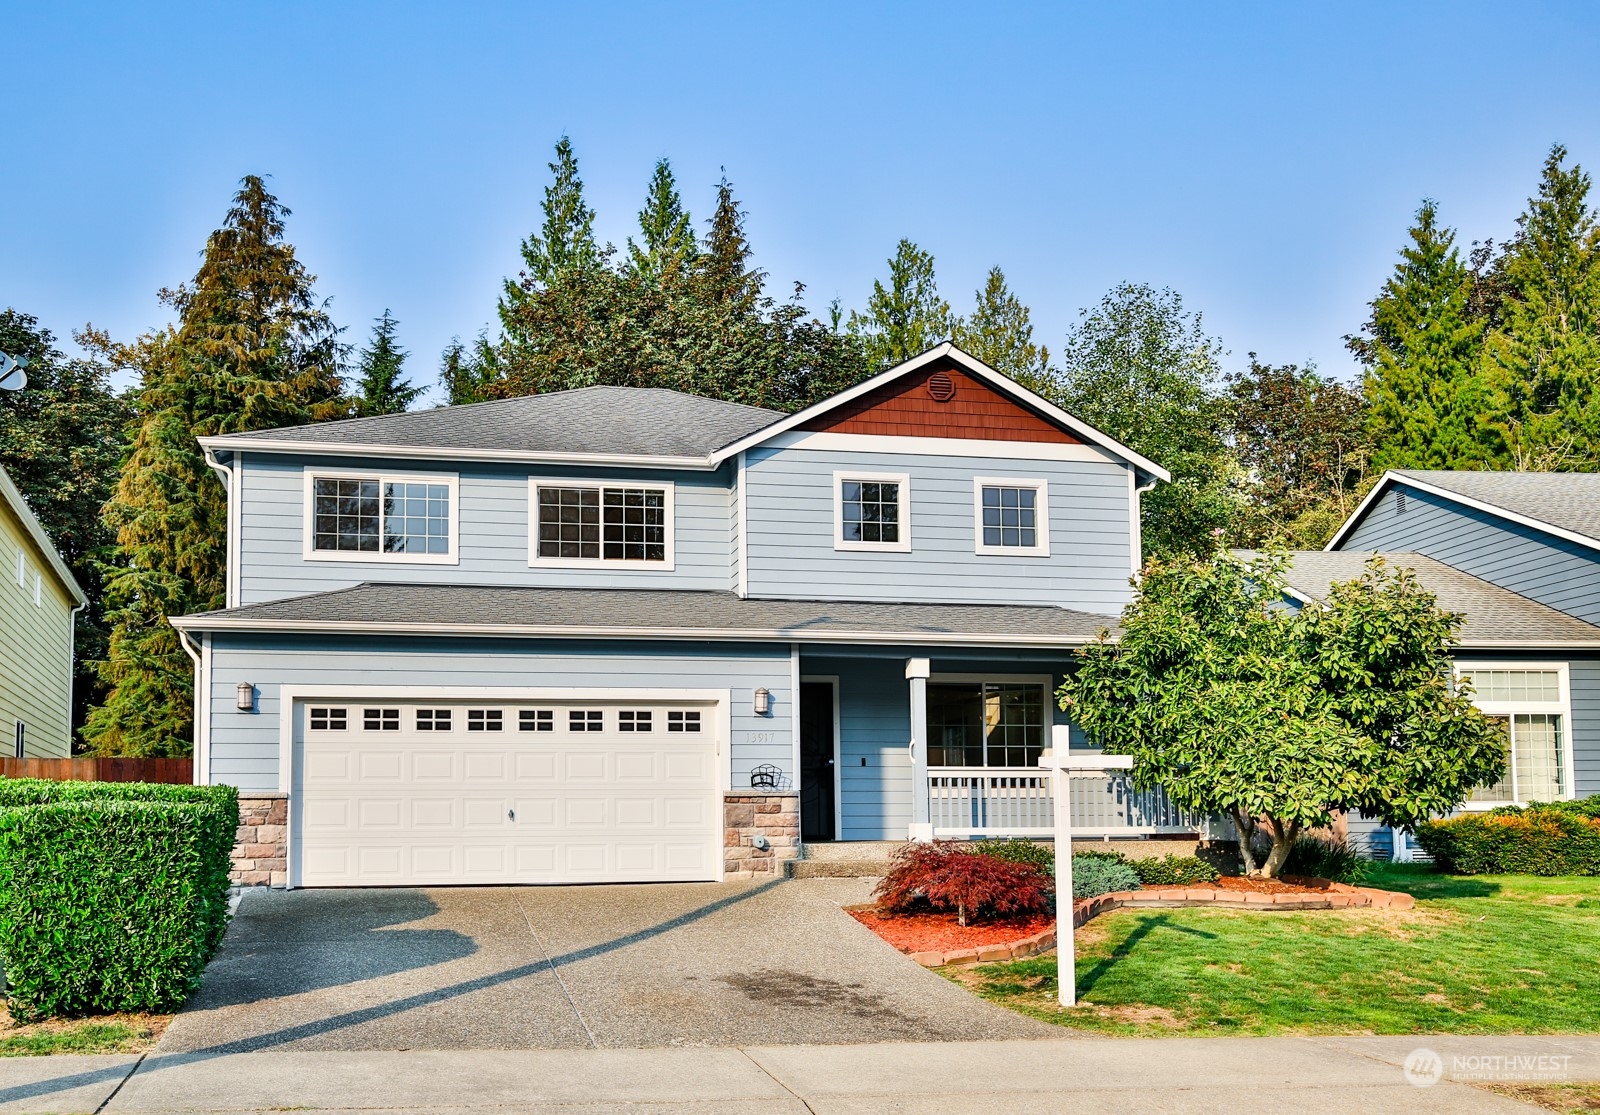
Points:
(985, 724)
(1529, 705)
(393, 518)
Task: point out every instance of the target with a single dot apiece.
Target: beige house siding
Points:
(35, 639)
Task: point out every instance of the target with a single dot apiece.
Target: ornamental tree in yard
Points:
(1236, 703)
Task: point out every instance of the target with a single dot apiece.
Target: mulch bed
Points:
(938, 932)
(1265, 886)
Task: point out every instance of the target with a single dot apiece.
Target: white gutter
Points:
(676, 634)
(232, 443)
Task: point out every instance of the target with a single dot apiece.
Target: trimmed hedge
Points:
(1540, 840)
(1174, 871)
(113, 896)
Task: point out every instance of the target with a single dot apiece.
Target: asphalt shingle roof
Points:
(1568, 500)
(1495, 616)
(641, 421)
(619, 612)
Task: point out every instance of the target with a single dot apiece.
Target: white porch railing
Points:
(1012, 801)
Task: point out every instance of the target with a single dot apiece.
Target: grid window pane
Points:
(613, 524)
(329, 719)
(1537, 752)
(635, 524)
(416, 518)
(631, 720)
(345, 514)
(569, 522)
(484, 720)
(1514, 685)
(380, 719)
(433, 720)
(955, 725)
(536, 720)
(870, 511)
(585, 720)
(1010, 517)
(683, 721)
(985, 725)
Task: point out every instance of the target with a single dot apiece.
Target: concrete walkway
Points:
(570, 968)
(993, 1078)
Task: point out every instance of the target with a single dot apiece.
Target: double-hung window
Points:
(1002, 723)
(872, 511)
(1530, 704)
(356, 516)
(1011, 516)
(577, 523)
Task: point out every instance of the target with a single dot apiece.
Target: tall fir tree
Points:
(252, 349)
(907, 316)
(1000, 333)
(1548, 348)
(381, 386)
(61, 441)
(564, 249)
(1427, 405)
(723, 273)
(667, 247)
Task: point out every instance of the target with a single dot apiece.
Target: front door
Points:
(816, 761)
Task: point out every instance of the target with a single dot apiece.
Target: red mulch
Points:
(1266, 886)
(938, 932)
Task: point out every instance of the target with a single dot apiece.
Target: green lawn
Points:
(1478, 955)
(123, 1033)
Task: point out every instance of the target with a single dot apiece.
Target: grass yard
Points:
(116, 1033)
(1478, 955)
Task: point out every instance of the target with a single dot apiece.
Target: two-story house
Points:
(39, 605)
(1518, 554)
(618, 633)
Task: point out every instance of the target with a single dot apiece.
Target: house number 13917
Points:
(760, 737)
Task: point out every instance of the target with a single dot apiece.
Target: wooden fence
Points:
(175, 771)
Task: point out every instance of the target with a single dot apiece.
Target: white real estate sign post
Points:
(1062, 762)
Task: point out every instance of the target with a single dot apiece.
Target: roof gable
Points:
(1563, 504)
(12, 498)
(939, 399)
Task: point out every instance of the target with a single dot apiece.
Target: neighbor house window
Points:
(986, 723)
(872, 511)
(1011, 517)
(1529, 704)
(381, 518)
(601, 523)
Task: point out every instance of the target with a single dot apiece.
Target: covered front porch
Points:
(899, 743)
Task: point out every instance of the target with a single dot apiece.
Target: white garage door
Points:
(453, 792)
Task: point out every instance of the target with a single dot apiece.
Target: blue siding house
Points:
(622, 634)
(1518, 554)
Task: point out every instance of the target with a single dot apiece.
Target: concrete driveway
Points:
(570, 967)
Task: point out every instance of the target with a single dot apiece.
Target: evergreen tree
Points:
(1428, 406)
(566, 249)
(907, 317)
(668, 246)
(1000, 333)
(381, 388)
(252, 349)
(61, 441)
(724, 274)
(1549, 345)
(467, 374)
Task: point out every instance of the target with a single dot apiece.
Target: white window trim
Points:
(904, 480)
(666, 487)
(308, 531)
(1041, 508)
(1562, 707)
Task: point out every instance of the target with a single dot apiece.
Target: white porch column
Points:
(917, 671)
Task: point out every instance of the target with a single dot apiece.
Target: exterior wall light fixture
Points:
(247, 697)
(763, 702)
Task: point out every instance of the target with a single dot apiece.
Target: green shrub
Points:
(1538, 840)
(1095, 873)
(1325, 859)
(112, 895)
(1042, 856)
(1174, 871)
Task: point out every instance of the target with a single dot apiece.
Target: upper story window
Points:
(1529, 703)
(352, 516)
(1011, 516)
(578, 523)
(872, 511)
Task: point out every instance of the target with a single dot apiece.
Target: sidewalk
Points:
(1179, 1075)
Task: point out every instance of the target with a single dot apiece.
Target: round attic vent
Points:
(941, 387)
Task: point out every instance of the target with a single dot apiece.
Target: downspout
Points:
(196, 653)
(72, 667)
(229, 475)
(1138, 531)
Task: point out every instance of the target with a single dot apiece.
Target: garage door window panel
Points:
(485, 720)
(536, 720)
(433, 720)
(586, 720)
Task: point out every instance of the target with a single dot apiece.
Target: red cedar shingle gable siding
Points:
(905, 408)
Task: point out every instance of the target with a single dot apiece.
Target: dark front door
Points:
(816, 761)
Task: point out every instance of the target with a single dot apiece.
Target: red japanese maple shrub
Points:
(944, 875)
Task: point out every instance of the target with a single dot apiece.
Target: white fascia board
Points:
(972, 365)
(229, 444)
(945, 447)
(673, 634)
(1393, 477)
(12, 497)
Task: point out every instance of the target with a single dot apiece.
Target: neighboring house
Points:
(1518, 553)
(610, 634)
(39, 604)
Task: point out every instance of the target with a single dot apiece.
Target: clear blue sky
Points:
(1262, 159)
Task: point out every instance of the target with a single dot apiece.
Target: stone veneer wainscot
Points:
(261, 846)
(748, 814)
